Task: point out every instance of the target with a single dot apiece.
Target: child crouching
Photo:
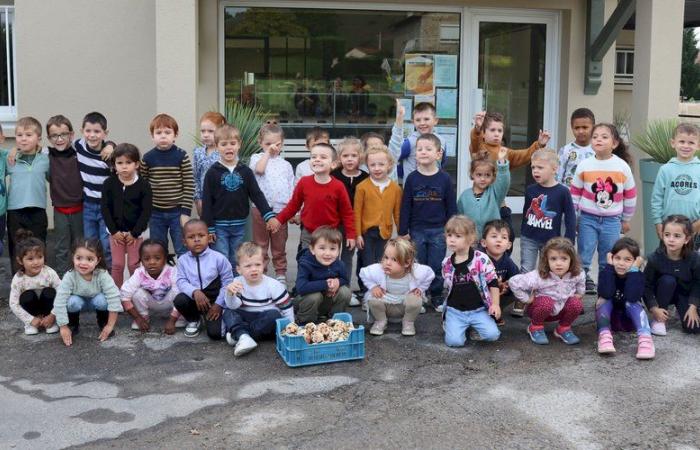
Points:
(553, 292)
(396, 286)
(471, 286)
(254, 301)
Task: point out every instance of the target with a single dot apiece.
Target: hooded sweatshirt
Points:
(677, 190)
(312, 275)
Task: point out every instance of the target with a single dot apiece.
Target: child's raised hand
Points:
(502, 154)
(201, 300)
(66, 335)
(638, 262)
(608, 258)
(495, 311)
(625, 227)
(692, 320)
(400, 113)
(235, 287)
(479, 119)
(214, 312)
(377, 292)
(543, 138)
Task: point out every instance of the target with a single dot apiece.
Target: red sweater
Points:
(324, 204)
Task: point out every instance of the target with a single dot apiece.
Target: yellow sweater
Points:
(376, 209)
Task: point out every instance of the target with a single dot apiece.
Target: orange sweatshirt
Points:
(517, 158)
(377, 209)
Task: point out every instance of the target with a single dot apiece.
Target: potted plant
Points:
(655, 141)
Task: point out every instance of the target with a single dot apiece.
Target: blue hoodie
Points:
(312, 275)
(677, 190)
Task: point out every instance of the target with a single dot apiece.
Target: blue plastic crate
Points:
(296, 352)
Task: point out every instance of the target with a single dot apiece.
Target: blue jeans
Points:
(163, 222)
(257, 325)
(77, 303)
(431, 248)
(228, 238)
(599, 233)
(457, 322)
(529, 253)
(94, 228)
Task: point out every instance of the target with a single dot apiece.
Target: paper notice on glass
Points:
(449, 135)
(424, 99)
(407, 104)
(445, 70)
(446, 103)
(419, 74)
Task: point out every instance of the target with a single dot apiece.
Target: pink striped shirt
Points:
(604, 188)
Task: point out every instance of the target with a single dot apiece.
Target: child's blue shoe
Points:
(539, 337)
(567, 336)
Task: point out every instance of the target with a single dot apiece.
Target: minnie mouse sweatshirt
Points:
(604, 188)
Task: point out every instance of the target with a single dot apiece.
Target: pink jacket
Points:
(526, 285)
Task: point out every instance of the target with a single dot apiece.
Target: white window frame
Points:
(624, 77)
(8, 113)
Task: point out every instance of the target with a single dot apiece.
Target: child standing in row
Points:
(548, 205)
(396, 286)
(482, 202)
(275, 177)
(169, 171)
(26, 201)
(314, 136)
(33, 288)
(672, 276)
(377, 206)
(126, 208)
(254, 302)
(428, 202)
(66, 189)
(604, 192)
(571, 155)
(677, 185)
(87, 287)
(471, 284)
(349, 173)
(152, 288)
(619, 306)
(206, 155)
(404, 149)
(202, 277)
(553, 292)
(93, 153)
(229, 186)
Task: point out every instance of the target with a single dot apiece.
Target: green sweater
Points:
(28, 182)
(677, 190)
(488, 207)
(74, 284)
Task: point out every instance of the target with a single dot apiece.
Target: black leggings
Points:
(188, 308)
(38, 305)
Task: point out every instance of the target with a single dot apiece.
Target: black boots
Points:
(74, 322)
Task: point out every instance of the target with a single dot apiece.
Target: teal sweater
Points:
(489, 206)
(677, 190)
(74, 284)
(28, 182)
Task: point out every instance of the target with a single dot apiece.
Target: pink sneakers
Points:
(605, 342)
(645, 347)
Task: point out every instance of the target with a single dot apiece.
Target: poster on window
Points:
(419, 74)
(446, 103)
(445, 70)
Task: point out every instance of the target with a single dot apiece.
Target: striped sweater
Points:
(604, 188)
(268, 294)
(93, 170)
(170, 174)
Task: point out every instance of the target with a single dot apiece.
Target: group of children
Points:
(105, 196)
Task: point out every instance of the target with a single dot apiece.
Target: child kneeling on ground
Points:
(254, 301)
(553, 292)
(396, 286)
(321, 277)
(471, 285)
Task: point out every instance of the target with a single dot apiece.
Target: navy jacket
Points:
(620, 289)
(312, 275)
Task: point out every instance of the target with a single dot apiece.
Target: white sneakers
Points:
(658, 328)
(52, 329)
(192, 329)
(30, 330)
(245, 344)
(354, 301)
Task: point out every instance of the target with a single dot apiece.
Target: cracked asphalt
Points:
(156, 391)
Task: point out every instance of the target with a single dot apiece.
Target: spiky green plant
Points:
(248, 119)
(655, 141)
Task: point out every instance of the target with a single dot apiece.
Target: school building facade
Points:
(340, 65)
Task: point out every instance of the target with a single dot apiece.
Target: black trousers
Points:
(38, 305)
(32, 219)
(188, 308)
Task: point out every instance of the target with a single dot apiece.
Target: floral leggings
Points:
(631, 318)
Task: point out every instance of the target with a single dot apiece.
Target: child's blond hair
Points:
(248, 250)
(349, 142)
(380, 150)
(461, 224)
(28, 122)
(227, 132)
(547, 155)
(405, 251)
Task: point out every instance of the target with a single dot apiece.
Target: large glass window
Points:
(343, 69)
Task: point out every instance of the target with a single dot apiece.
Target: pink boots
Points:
(645, 347)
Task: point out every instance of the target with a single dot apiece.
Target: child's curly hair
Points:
(559, 244)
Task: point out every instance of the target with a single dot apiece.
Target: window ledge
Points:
(623, 86)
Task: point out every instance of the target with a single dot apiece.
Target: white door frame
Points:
(469, 95)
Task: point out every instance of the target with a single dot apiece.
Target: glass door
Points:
(512, 74)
